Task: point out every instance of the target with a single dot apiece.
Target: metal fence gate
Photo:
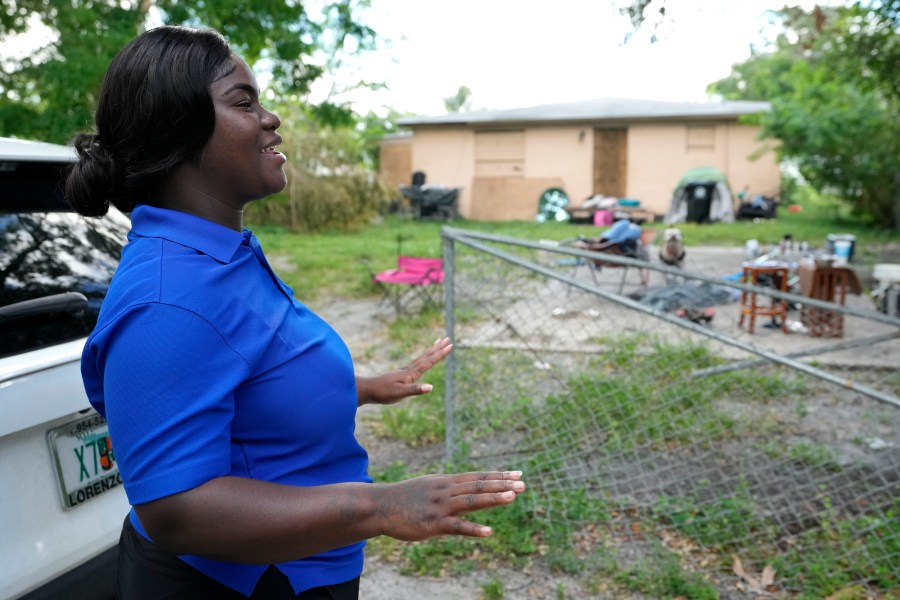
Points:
(763, 464)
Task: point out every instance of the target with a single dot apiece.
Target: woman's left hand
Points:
(397, 385)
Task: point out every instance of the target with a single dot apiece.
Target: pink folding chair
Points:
(414, 279)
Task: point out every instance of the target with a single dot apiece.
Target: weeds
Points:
(493, 589)
(722, 521)
(573, 530)
(417, 422)
(665, 578)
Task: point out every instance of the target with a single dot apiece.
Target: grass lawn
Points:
(330, 264)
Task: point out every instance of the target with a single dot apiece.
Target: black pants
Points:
(146, 572)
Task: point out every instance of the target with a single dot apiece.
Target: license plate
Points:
(85, 463)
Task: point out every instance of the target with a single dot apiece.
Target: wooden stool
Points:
(778, 272)
(829, 284)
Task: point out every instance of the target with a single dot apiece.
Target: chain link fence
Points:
(660, 438)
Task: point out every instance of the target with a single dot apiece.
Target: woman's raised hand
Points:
(429, 506)
(396, 385)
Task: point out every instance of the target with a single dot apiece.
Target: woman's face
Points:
(240, 163)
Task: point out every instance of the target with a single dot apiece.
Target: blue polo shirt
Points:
(205, 366)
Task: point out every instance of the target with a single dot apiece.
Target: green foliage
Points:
(661, 575)
(765, 75)
(665, 578)
(518, 530)
(328, 203)
(629, 403)
(758, 384)
(835, 101)
(721, 520)
(393, 473)
(493, 589)
(843, 554)
(842, 138)
(461, 101)
(439, 556)
(418, 421)
(815, 454)
(371, 128)
(327, 188)
(50, 94)
(866, 48)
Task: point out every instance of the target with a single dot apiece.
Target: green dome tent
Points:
(701, 196)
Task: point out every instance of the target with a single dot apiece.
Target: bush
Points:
(311, 203)
(327, 188)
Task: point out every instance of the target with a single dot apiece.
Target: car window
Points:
(32, 185)
(46, 250)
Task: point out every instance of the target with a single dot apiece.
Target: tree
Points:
(372, 128)
(765, 75)
(835, 104)
(460, 101)
(50, 94)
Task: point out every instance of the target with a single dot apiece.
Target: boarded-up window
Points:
(611, 162)
(500, 153)
(701, 137)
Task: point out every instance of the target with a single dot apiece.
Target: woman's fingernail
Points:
(426, 387)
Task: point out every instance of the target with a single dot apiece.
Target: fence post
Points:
(450, 361)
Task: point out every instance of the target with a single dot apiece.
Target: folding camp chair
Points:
(638, 250)
(414, 279)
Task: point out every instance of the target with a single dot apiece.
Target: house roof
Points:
(601, 109)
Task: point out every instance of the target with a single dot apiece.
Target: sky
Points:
(517, 53)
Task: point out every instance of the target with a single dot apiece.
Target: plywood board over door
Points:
(610, 162)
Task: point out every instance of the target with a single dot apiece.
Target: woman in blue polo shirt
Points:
(231, 405)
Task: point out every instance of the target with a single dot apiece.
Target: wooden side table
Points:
(750, 305)
(829, 284)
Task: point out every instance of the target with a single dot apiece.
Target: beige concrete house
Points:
(503, 160)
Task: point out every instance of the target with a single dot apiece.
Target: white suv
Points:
(61, 498)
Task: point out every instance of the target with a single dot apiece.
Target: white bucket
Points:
(842, 250)
(751, 249)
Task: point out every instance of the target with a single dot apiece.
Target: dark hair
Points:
(154, 112)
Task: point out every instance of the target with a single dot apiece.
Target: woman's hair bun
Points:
(90, 186)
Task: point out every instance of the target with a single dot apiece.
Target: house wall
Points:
(566, 153)
(659, 154)
(447, 157)
(560, 156)
(395, 161)
(752, 163)
(552, 157)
